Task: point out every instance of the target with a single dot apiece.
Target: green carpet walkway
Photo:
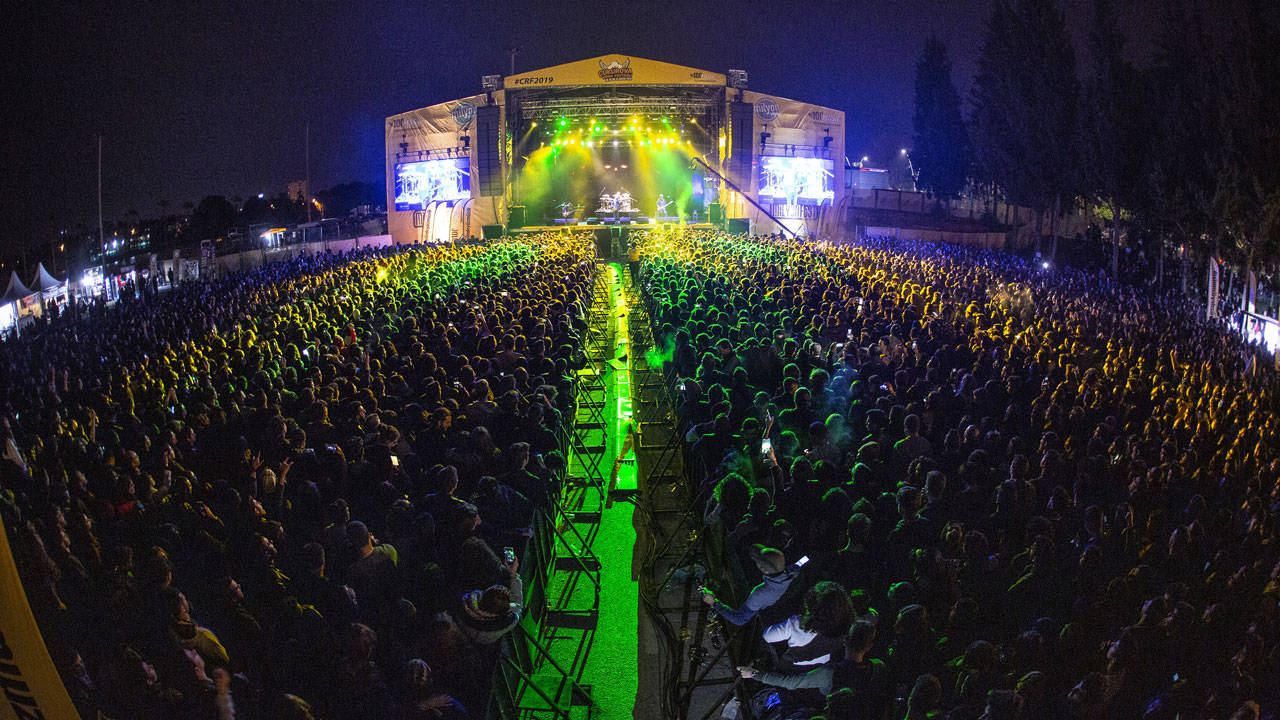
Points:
(611, 666)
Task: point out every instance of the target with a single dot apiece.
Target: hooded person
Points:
(489, 614)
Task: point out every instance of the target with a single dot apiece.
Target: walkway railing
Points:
(533, 678)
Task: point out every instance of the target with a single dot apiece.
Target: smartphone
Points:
(802, 561)
(884, 387)
(508, 555)
(766, 445)
(395, 461)
(683, 387)
(331, 448)
(306, 352)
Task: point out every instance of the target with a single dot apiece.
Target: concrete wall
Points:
(992, 241)
(252, 259)
(1022, 219)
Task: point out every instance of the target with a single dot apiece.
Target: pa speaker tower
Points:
(488, 170)
(742, 117)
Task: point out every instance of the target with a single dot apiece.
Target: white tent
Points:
(43, 282)
(10, 302)
(49, 287)
(15, 291)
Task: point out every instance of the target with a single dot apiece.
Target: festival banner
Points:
(1215, 275)
(32, 688)
(613, 70)
(1250, 299)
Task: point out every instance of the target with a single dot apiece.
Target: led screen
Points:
(1262, 331)
(796, 180)
(419, 183)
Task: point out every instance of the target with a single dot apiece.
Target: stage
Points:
(638, 224)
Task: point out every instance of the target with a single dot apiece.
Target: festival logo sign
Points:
(615, 70)
(463, 113)
(767, 109)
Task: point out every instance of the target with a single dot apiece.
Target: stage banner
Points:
(780, 112)
(32, 688)
(1215, 278)
(613, 70)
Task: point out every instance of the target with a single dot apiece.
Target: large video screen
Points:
(1262, 330)
(797, 180)
(420, 183)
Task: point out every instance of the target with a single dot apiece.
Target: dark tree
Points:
(1112, 123)
(940, 147)
(213, 217)
(1247, 196)
(1179, 180)
(1025, 123)
(340, 200)
(991, 123)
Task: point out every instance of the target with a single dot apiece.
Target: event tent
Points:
(43, 282)
(10, 302)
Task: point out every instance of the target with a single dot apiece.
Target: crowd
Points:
(950, 483)
(296, 492)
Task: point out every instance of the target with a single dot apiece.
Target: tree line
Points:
(1182, 148)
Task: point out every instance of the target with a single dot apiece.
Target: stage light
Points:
(615, 143)
(903, 151)
(590, 144)
(607, 166)
(623, 166)
(563, 122)
(535, 124)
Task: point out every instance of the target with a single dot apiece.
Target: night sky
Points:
(202, 98)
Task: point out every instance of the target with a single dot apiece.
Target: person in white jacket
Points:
(816, 635)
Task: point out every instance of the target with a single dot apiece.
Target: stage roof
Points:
(613, 70)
